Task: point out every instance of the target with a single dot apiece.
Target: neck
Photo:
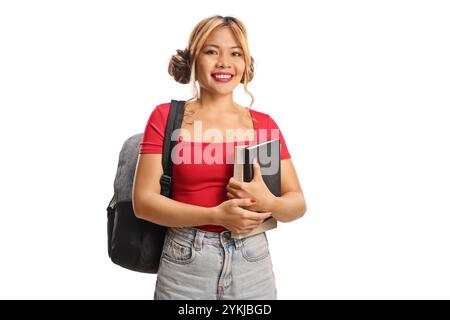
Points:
(213, 103)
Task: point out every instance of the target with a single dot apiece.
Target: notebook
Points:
(268, 155)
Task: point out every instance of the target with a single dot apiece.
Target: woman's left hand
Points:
(255, 189)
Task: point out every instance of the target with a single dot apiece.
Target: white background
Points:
(360, 90)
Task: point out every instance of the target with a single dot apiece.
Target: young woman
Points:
(200, 259)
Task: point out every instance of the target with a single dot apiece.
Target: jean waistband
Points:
(198, 235)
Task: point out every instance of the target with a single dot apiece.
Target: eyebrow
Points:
(216, 46)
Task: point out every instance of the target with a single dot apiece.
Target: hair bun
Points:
(180, 66)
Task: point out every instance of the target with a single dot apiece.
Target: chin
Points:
(223, 88)
(223, 92)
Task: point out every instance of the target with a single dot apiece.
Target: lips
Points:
(216, 76)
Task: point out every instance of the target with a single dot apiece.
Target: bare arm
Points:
(291, 205)
(150, 205)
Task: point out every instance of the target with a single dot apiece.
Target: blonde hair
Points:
(182, 65)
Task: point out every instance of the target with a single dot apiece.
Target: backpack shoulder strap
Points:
(174, 121)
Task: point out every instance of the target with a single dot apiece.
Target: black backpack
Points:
(134, 243)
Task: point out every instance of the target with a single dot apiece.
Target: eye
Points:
(235, 54)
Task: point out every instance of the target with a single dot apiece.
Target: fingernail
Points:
(253, 200)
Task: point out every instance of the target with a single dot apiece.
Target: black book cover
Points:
(268, 155)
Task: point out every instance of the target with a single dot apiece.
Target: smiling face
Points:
(221, 53)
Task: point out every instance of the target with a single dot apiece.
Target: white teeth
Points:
(222, 76)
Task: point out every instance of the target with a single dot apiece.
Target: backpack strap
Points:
(174, 121)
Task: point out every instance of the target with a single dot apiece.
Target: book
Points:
(268, 155)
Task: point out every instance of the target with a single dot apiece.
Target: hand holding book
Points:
(260, 181)
(233, 215)
(255, 189)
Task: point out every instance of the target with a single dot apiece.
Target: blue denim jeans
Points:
(197, 264)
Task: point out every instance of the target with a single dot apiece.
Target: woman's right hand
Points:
(232, 216)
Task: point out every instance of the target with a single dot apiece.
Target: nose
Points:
(222, 60)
